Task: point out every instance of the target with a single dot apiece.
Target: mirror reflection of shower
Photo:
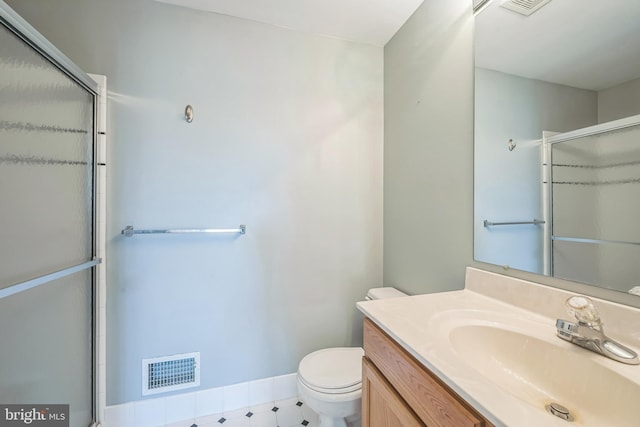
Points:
(528, 83)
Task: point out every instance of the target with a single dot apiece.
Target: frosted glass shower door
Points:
(596, 206)
(46, 228)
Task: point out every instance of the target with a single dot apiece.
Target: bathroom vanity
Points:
(398, 390)
(489, 355)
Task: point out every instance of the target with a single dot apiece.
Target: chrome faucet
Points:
(589, 333)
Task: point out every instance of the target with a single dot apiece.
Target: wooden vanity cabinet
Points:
(382, 406)
(397, 390)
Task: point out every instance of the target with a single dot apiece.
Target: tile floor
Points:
(284, 413)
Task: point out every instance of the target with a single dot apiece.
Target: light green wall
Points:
(619, 101)
(428, 163)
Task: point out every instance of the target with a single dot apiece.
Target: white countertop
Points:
(421, 324)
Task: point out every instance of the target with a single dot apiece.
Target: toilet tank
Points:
(382, 293)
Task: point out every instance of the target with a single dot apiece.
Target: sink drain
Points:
(559, 411)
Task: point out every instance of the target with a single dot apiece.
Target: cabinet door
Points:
(433, 402)
(381, 404)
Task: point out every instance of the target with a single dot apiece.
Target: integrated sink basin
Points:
(496, 345)
(543, 372)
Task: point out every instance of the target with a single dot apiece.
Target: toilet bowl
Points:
(330, 380)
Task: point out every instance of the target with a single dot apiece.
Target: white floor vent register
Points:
(169, 373)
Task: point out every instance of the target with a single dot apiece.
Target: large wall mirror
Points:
(557, 139)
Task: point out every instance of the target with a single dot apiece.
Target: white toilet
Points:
(330, 380)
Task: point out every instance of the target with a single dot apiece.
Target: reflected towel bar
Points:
(488, 223)
(129, 231)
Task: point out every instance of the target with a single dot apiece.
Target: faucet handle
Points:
(583, 309)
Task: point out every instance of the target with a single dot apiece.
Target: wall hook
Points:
(511, 145)
(188, 113)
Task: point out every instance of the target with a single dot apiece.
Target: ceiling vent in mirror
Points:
(524, 7)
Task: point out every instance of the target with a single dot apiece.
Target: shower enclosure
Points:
(593, 204)
(47, 225)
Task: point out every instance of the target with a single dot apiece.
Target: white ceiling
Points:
(590, 44)
(367, 21)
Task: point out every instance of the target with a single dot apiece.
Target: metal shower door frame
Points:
(28, 34)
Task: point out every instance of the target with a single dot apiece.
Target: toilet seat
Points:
(332, 370)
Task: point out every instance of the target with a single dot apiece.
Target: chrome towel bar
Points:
(129, 231)
(491, 224)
